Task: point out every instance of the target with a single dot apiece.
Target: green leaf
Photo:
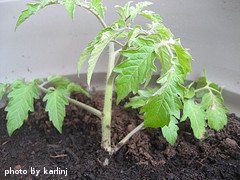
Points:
(140, 101)
(21, 101)
(70, 6)
(183, 55)
(134, 11)
(136, 102)
(123, 12)
(56, 103)
(31, 9)
(170, 131)
(216, 111)
(197, 116)
(59, 82)
(73, 87)
(2, 90)
(135, 70)
(97, 5)
(151, 16)
(160, 107)
(86, 53)
(103, 39)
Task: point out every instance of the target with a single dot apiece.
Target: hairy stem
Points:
(79, 104)
(107, 110)
(101, 20)
(127, 137)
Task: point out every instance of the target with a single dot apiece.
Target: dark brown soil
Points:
(146, 156)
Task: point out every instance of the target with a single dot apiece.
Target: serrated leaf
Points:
(141, 99)
(136, 102)
(134, 11)
(21, 101)
(2, 90)
(85, 54)
(98, 6)
(217, 118)
(56, 103)
(104, 37)
(31, 9)
(183, 55)
(70, 6)
(151, 16)
(124, 11)
(216, 111)
(170, 131)
(73, 87)
(197, 116)
(159, 108)
(59, 82)
(134, 71)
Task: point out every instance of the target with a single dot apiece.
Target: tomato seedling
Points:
(130, 69)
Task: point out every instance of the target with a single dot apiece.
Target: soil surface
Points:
(146, 156)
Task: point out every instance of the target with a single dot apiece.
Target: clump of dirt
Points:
(146, 156)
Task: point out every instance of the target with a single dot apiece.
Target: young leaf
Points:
(72, 87)
(134, 11)
(166, 101)
(21, 100)
(85, 54)
(124, 12)
(2, 90)
(151, 16)
(31, 9)
(134, 71)
(170, 131)
(56, 103)
(197, 116)
(216, 111)
(140, 101)
(70, 6)
(59, 82)
(104, 37)
(97, 5)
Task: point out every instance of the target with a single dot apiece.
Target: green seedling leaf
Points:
(103, 39)
(72, 87)
(141, 99)
(197, 116)
(170, 131)
(135, 70)
(56, 103)
(86, 53)
(31, 9)
(134, 11)
(70, 6)
(136, 102)
(21, 101)
(216, 111)
(97, 5)
(151, 16)
(59, 82)
(124, 12)
(2, 90)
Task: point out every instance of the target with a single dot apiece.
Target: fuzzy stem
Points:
(107, 110)
(79, 104)
(101, 20)
(127, 137)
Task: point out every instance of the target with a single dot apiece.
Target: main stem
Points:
(107, 110)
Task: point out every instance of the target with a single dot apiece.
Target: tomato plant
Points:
(130, 69)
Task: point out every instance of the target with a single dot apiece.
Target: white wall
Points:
(50, 42)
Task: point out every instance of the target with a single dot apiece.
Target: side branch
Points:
(79, 104)
(94, 13)
(127, 137)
